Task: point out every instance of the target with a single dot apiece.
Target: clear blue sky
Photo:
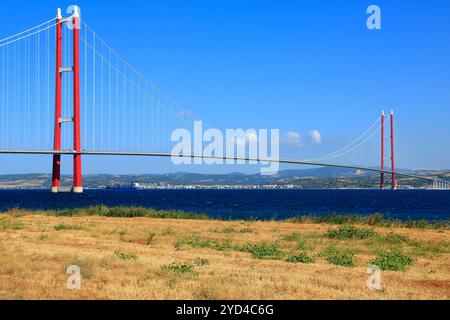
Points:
(293, 65)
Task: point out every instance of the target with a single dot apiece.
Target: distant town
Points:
(321, 178)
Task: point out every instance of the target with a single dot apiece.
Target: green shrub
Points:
(232, 230)
(295, 236)
(131, 212)
(394, 239)
(168, 232)
(179, 268)
(393, 260)
(66, 212)
(300, 258)
(149, 237)
(350, 232)
(62, 226)
(196, 242)
(263, 251)
(429, 249)
(125, 256)
(6, 224)
(201, 262)
(127, 212)
(120, 232)
(225, 230)
(339, 257)
(372, 220)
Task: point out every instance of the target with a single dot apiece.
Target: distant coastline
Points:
(321, 178)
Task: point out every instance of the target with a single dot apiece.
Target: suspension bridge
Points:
(65, 92)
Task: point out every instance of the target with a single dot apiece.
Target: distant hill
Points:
(307, 178)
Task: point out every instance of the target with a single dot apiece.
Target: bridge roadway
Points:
(168, 155)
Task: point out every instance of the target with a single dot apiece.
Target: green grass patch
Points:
(294, 236)
(6, 224)
(120, 232)
(125, 255)
(300, 258)
(130, 212)
(168, 232)
(179, 269)
(197, 242)
(372, 220)
(350, 232)
(263, 251)
(63, 227)
(127, 212)
(428, 249)
(200, 262)
(232, 230)
(225, 230)
(394, 260)
(339, 257)
(149, 237)
(395, 239)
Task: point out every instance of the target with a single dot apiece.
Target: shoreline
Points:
(375, 219)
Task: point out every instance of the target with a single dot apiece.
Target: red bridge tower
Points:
(59, 120)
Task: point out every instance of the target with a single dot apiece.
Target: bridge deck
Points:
(168, 155)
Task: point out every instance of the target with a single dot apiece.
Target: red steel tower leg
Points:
(394, 180)
(56, 172)
(77, 178)
(382, 152)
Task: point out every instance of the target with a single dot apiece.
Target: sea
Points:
(432, 205)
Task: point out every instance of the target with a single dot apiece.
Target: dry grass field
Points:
(154, 258)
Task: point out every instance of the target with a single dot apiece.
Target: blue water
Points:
(239, 204)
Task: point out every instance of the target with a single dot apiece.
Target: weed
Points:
(196, 242)
(125, 256)
(339, 257)
(295, 236)
(395, 239)
(200, 262)
(120, 232)
(207, 292)
(423, 249)
(225, 230)
(350, 232)
(372, 220)
(300, 258)
(263, 251)
(168, 232)
(179, 268)
(393, 260)
(149, 237)
(131, 212)
(232, 230)
(61, 227)
(6, 224)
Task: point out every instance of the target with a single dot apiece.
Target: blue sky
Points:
(293, 65)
